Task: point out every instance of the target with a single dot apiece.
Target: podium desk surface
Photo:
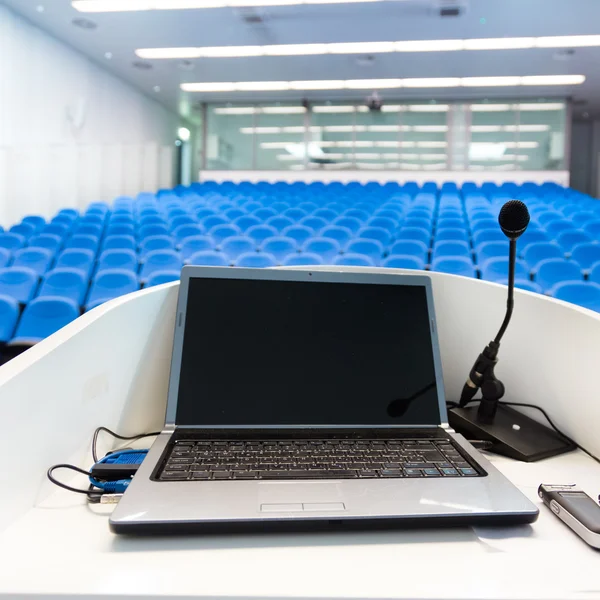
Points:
(62, 548)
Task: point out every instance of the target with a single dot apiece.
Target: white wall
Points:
(70, 132)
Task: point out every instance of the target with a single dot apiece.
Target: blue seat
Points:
(9, 315)
(193, 244)
(89, 229)
(204, 212)
(592, 228)
(118, 259)
(237, 245)
(315, 223)
(594, 274)
(181, 220)
(488, 235)
(279, 222)
(58, 229)
(421, 223)
(351, 223)
(19, 283)
(444, 235)
(300, 233)
(264, 213)
(367, 247)
(302, 258)
(450, 223)
(356, 213)
(579, 218)
(259, 233)
(79, 259)
(208, 258)
(483, 224)
(111, 284)
(160, 260)
(36, 259)
(213, 221)
(119, 242)
(337, 233)
(234, 213)
(246, 221)
(531, 236)
(294, 213)
(586, 255)
(415, 233)
(326, 248)
(410, 248)
(489, 250)
(551, 271)
(12, 241)
(120, 230)
(96, 220)
(153, 230)
(156, 242)
(24, 229)
(403, 261)
(63, 221)
(5, 257)
(279, 247)
(87, 242)
(36, 221)
(567, 240)
(160, 277)
(326, 213)
(65, 283)
(536, 252)
(185, 231)
(383, 236)
(222, 232)
(386, 223)
(256, 260)
(496, 269)
(153, 219)
(44, 316)
(555, 228)
(356, 260)
(582, 293)
(455, 265)
(451, 248)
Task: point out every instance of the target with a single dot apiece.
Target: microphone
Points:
(512, 433)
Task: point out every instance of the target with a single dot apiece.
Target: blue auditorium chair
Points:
(208, 258)
(279, 207)
(264, 213)
(536, 252)
(63, 220)
(87, 242)
(202, 213)
(185, 231)
(120, 230)
(531, 236)
(36, 259)
(421, 223)
(222, 232)
(488, 235)
(90, 229)
(383, 236)
(415, 233)
(237, 245)
(403, 261)
(355, 260)
(567, 240)
(24, 229)
(367, 247)
(555, 228)
(327, 214)
(395, 214)
(246, 221)
(19, 283)
(582, 293)
(12, 241)
(151, 220)
(160, 277)
(213, 221)
(351, 223)
(302, 258)
(72, 213)
(548, 217)
(9, 314)
(410, 248)
(337, 233)
(42, 317)
(594, 274)
(152, 230)
(294, 213)
(111, 284)
(58, 229)
(79, 259)
(279, 222)
(114, 220)
(252, 206)
(356, 213)
(182, 220)
(579, 218)
(442, 235)
(96, 220)
(256, 260)
(489, 250)
(300, 233)
(156, 242)
(450, 223)
(496, 269)
(326, 248)
(160, 260)
(234, 213)
(117, 259)
(551, 271)
(65, 283)
(586, 255)
(36, 221)
(259, 233)
(389, 225)
(279, 247)
(46, 240)
(592, 228)
(119, 242)
(455, 265)
(308, 207)
(5, 257)
(483, 224)
(315, 223)
(451, 248)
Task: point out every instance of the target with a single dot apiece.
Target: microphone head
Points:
(513, 219)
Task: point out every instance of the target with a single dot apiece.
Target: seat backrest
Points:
(221, 232)
(279, 247)
(118, 259)
(376, 233)
(37, 259)
(300, 233)
(551, 271)
(315, 223)
(256, 260)
(185, 231)
(489, 250)
(24, 229)
(351, 223)
(152, 230)
(65, 283)
(155, 242)
(487, 235)
(386, 223)
(451, 248)
(160, 260)
(455, 265)
(303, 258)
(19, 283)
(12, 241)
(338, 233)
(415, 233)
(209, 258)
(80, 259)
(326, 248)
(410, 248)
(9, 314)
(244, 222)
(120, 230)
(279, 222)
(88, 242)
(568, 239)
(44, 316)
(261, 232)
(5, 257)
(235, 246)
(586, 254)
(538, 251)
(403, 261)
(451, 233)
(368, 247)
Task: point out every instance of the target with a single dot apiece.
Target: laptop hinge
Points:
(446, 427)
(169, 428)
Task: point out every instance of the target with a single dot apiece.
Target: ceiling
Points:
(121, 33)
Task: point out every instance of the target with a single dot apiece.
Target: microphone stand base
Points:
(512, 433)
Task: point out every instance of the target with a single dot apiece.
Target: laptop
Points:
(302, 398)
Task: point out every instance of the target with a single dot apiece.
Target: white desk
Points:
(111, 367)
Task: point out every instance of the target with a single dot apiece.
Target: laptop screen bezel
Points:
(317, 274)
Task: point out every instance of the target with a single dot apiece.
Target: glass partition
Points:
(417, 136)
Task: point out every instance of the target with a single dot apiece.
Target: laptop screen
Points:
(302, 353)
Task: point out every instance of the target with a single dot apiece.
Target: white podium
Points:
(111, 367)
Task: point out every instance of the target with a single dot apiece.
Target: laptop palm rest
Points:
(286, 496)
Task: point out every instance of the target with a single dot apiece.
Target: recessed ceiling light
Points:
(40, 8)
(108, 55)
(83, 23)
(156, 88)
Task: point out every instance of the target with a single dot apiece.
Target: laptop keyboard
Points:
(314, 459)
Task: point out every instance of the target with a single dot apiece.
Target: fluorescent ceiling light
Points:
(334, 109)
(478, 44)
(351, 84)
(532, 106)
(509, 128)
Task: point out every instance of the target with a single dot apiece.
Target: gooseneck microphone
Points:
(511, 433)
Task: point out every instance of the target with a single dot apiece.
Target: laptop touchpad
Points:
(300, 492)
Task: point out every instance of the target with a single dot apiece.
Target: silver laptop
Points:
(302, 398)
